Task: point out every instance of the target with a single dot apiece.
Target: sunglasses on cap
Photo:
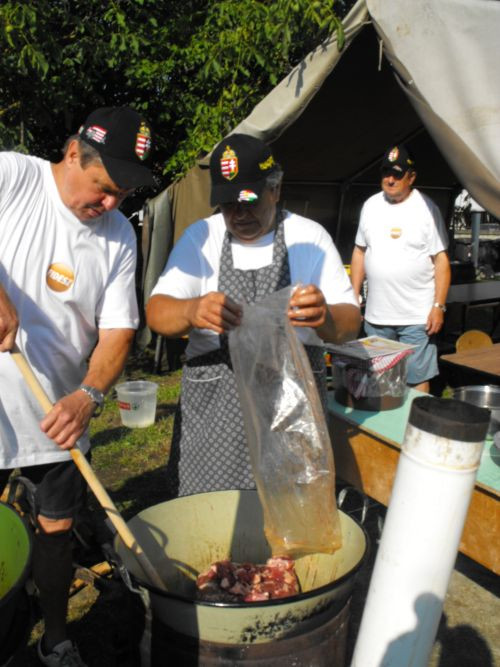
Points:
(398, 175)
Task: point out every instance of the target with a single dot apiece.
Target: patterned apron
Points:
(209, 450)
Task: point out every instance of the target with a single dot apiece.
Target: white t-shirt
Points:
(192, 269)
(400, 241)
(66, 279)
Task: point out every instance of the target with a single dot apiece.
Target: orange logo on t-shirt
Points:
(60, 277)
(395, 233)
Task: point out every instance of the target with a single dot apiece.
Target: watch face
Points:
(98, 397)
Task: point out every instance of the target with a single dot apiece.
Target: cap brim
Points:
(230, 192)
(388, 166)
(127, 175)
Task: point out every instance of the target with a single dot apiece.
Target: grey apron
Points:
(209, 450)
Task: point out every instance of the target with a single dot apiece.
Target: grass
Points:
(124, 458)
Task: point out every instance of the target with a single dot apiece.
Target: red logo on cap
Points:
(229, 164)
(143, 142)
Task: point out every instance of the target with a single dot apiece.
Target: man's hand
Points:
(68, 419)
(307, 307)
(435, 321)
(8, 322)
(215, 311)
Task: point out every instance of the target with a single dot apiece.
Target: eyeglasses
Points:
(398, 175)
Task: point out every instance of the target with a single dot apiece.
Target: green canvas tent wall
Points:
(426, 73)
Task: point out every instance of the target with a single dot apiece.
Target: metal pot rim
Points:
(486, 388)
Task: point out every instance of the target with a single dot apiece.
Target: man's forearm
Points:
(357, 269)
(342, 324)
(442, 277)
(169, 316)
(9, 322)
(108, 358)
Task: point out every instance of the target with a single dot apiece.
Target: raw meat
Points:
(225, 581)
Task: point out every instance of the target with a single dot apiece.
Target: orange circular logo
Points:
(395, 233)
(60, 277)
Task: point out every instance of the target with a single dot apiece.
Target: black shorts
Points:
(60, 488)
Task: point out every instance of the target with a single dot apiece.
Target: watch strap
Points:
(96, 396)
(441, 306)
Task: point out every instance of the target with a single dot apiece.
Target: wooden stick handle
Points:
(90, 477)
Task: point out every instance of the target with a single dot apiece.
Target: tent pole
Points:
(343, 189)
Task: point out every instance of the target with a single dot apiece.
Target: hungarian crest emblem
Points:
(143, 142)
(229, 164)
(394, 154)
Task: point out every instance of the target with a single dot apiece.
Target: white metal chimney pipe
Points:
(434, 481)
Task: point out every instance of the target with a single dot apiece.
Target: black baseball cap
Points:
(124, 141)
(397, 158)
(239, 166)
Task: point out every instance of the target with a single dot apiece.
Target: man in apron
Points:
(250, 249)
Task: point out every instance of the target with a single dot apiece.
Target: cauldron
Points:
(182, 537)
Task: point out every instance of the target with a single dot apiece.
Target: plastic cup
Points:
(137, 402)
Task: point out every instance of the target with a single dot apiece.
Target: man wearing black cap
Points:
(250, 249)
(67, 295)
(400, 248)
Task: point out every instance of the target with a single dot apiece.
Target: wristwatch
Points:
(96, 395)
(441, 306)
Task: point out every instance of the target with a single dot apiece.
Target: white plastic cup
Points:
(137, 403)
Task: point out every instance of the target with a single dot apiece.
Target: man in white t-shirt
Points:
(67, 301)
(400, 248)
(250, 249)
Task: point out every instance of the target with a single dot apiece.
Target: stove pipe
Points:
(432, 489)
(476, 217)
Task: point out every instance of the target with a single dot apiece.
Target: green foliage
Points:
(236, 55)
(194, 68)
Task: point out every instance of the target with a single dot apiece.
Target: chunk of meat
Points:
(225, 581)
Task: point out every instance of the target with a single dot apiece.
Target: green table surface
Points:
(390, 425)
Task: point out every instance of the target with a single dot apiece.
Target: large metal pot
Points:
(484, 396)
(184, 536)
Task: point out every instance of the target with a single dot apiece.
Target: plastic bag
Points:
(286, 431)
(371, 367)
(362, 380)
